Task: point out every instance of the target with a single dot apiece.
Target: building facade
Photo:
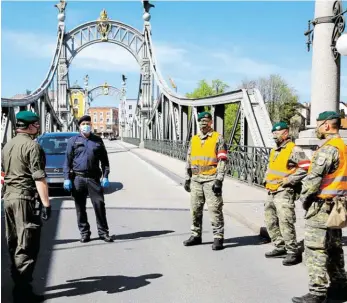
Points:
(104, 121)
(77, 101)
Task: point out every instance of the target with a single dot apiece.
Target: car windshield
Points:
(54, 145)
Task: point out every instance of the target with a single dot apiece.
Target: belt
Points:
(199, 169)
(85, 174)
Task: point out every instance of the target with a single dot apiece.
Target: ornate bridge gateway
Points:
(161, 116)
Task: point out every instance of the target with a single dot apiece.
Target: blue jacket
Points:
(85, 155)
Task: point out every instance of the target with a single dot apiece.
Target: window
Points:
(101, 128)
(101, 114)
(108, 120)
(94, 114)
(108, 113)
(54, 145)
(130, 116)
(95, 119)
(101, 120)
(75, 102)
(130, 106)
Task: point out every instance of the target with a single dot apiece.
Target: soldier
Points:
(288, 165)
(83, 156)
(326, 180)
(205, 169)
(23, 162)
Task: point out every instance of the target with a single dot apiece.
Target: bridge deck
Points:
(148, 212)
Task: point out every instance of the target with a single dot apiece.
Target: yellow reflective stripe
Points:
(278, 173)
(274, 181)
(203, 158)
(337, 192)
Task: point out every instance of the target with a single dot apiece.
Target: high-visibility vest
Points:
(334, 184)
(2, 177)
(204, 158)
(278, 168)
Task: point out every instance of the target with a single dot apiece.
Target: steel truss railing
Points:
(246, 163)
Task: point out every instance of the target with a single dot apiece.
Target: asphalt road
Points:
(148, 214)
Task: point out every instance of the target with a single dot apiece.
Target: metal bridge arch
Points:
(101, 31)
(103, 90)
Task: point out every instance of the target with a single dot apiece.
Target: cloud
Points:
(185, 64)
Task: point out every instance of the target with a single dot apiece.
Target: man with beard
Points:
(324, 186)
(205, 169)
(23, 162)
(287, 166)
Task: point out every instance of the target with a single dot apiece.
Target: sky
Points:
(231, 41)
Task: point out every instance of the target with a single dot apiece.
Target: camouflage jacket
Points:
(325, 162)
(295, 157)
(221, 166)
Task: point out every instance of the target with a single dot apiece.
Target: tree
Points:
(280, 99)
(216, 87)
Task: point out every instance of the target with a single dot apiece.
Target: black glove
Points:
(187, 186)
(46, 213)
(217, 188)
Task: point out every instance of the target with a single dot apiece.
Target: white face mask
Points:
(85, 129)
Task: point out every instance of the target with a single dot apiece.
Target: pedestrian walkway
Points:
(243, 202)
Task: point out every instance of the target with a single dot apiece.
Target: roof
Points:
(59, 134)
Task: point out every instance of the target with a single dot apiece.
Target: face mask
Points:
(85, 129)
(204, 126)
(37, 131)
(278, 139)
(319, 135)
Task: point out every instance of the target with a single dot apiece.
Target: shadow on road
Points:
(43, 265)
(142, 234)
(114, 186)
(243, 241)
(109, 284)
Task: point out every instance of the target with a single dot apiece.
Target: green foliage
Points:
(216, 87)
(280, 99)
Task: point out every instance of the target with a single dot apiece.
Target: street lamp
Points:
(341, 45)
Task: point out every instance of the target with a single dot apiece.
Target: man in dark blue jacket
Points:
(82, 176)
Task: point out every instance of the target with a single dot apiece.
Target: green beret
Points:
(328, 116)
(204, 115)
(27, 117)
(280, 126)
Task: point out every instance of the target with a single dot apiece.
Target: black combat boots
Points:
(276, 253)
(309, 298)
(292, 259)
(217, 244)
(192, 241)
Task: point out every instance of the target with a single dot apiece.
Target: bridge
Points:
(149, 218)
(147, 208)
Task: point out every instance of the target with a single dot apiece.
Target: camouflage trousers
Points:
(280, 219)
(323, 250)
(201, 192)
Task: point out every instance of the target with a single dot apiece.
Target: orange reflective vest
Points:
(203, 157)
(2, 177)
(278, 167)
(335, 184)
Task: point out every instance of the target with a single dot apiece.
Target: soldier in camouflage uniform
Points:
(325, 182)
(205, 170)
(288, 165)
(23, 161)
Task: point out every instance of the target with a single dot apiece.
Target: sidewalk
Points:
(241, 202)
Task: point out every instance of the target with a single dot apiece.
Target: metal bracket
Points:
(339, 26)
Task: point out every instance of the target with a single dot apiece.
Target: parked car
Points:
(54, 145)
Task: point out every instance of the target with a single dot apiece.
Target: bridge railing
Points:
(246, 163)
(133, 141)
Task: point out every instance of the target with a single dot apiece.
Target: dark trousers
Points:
(23, 232)
(81, 188)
